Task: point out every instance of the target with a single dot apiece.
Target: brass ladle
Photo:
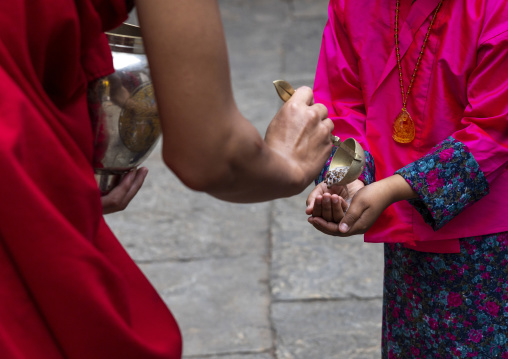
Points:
(349, 156)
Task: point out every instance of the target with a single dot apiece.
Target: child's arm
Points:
(367, 203)
(370, 201)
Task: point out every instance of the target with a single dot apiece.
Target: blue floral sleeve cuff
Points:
(369, 172)
(367, 176)
(447, 180)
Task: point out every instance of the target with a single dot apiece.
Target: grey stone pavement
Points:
(257, 281)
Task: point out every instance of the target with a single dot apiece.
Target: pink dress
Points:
(452, 303)
(459, 103)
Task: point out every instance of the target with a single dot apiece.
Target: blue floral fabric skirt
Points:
(447, 305)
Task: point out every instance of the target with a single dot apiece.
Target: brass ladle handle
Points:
(285, 91)
(351, 154)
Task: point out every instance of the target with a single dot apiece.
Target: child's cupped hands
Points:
(346, 211)
(327, 206)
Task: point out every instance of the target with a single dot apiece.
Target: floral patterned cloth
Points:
(447, 180)
(447, 305)
(369, 172)
(444, 305)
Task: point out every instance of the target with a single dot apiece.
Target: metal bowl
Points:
(351, 155)
(123, 110)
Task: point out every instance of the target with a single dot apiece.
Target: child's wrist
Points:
(399, 189)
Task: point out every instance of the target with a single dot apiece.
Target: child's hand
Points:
(365, 208)
(367, 205)
(328, 205)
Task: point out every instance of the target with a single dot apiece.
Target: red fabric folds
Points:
(69, 290)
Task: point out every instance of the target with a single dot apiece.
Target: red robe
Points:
(67, 287)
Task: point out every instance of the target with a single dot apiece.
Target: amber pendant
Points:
(403, 129)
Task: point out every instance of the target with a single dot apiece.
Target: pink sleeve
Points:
(486, 115)
(337, 83)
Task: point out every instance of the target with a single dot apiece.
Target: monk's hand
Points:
(120, 197)
(300, 133)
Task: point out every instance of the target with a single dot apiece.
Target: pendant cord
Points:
(405, 95)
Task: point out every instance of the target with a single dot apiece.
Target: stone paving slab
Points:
(328, 330)
(221, 305)
(309, 8)
(167, 221)
(301, 48)
(259, 11)
(309, 264)
(254, 32)
(236, 356)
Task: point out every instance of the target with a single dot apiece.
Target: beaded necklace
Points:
(403, 128)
